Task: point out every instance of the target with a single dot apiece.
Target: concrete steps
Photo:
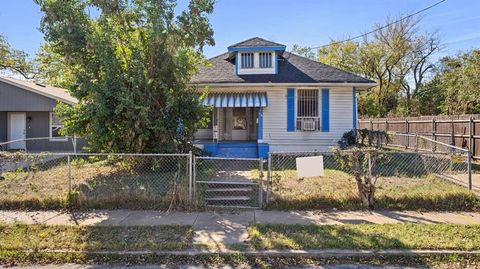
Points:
(231, 194)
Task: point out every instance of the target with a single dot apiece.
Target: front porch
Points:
(236, 128)
(235, 149)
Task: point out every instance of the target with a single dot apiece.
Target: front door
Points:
(17, 130)
(239, 126)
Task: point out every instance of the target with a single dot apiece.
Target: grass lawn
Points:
(95, 183)
(95, 238)
(338, 189)
(366, 236)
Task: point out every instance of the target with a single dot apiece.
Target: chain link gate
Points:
(228, 182)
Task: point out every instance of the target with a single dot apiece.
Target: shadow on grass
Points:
(96, 238)
(456, 201)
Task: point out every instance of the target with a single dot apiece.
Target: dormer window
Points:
(256, 56)
(265, 59)
(247, 60)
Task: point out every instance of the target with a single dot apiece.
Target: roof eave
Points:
(359, 86)
(51, 96)
(260, 48)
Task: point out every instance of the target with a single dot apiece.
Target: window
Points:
(55, 126)
(265, 59)
(247, 60)
(308, 110)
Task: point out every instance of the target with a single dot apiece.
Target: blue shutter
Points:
(325, 110)
(354, 108)
(290, 109)
(236, 63)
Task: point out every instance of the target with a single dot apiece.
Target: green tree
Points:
(396, 56)
(306, 52)
(130, 65)
(14, 60)
(460, 82)
(53, 69)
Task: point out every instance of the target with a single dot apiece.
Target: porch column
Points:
(260, 125)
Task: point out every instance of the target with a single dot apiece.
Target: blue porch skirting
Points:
(237, 150)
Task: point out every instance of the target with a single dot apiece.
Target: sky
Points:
(304, 22)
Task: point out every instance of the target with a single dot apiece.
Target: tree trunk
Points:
(366, 192)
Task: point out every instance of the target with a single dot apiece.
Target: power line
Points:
(383, 27)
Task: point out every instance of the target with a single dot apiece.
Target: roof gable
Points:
(51, 92)
(256, 42)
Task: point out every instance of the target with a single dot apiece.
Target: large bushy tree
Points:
(129, 63)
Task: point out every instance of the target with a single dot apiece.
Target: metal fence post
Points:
(69, 174)
(190, 176)
(269, 176)
(194, 179)
(369, 166)
(469, 167)
(434, 134)
(260, 185)
(416, 142)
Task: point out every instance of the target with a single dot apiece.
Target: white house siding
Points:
(275, 122)
(275, 119)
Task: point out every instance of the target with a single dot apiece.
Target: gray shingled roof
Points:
(256, 42)
(292, 68)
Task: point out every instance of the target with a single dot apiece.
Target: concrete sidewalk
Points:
(216, 229)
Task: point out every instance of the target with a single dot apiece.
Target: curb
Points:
(324, 253)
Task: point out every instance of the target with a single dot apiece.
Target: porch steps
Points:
(238, 150)
(231, 198)
(229, 190)
(233, 194)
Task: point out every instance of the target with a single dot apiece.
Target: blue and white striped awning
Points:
(257, 99)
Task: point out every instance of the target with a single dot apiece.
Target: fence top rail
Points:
(443, 144)
(227, 158)
(404, 134)
(299, 152)
(105, 154)
(420, 121)
(34, 139)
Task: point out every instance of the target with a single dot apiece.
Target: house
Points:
(266, 99)
(26, 112)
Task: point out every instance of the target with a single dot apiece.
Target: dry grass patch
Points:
(366, 236)
(95, 184)
(338, 189)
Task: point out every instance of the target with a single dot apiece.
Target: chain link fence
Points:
(182, 181)
(397, 172)
(228, 182)
(136, 181)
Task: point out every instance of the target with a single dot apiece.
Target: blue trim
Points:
(236, 63)
(290, 110)
(354, 108)
(276, 62)
(325, 110)
(263, 149)
(260, 124)
(210, 149)
(258, 48)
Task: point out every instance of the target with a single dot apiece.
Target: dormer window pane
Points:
(247, 60)
(265, 59)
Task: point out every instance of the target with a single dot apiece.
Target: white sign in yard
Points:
(310, 166)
